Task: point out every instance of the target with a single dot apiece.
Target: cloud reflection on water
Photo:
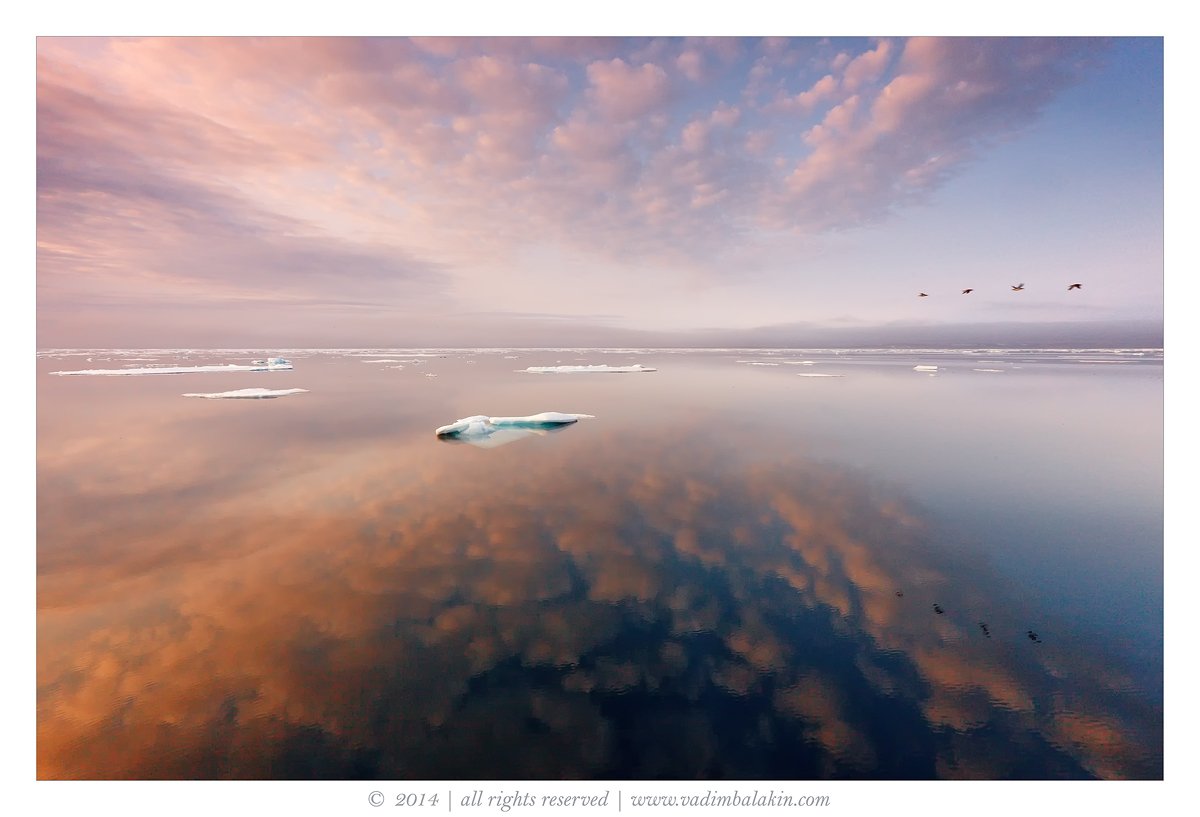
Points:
(607, 605)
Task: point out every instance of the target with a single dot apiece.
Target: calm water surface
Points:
(731, 572)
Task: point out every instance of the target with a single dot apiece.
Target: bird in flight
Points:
(967, 291)
(923, 295)
(1074, 286)
(1018, 288)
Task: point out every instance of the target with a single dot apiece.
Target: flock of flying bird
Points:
(1017, 288)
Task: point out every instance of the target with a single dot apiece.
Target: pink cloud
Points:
(758, 142)
(581, 49)
(432, 150)
(691, 65)
(725, 116)
(507, 85)
(841, 118)
(694, 137)
(867, 67)
(140, 201)
(725, 49)
(947, 100)
(590, 140)
(823, 89)
(622, 92)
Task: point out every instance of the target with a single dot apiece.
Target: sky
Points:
(489, 191)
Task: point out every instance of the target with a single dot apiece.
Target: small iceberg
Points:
(925, 368)
(491, 432)
(482, 424)
(601, 367)
(271, 364)
(248, 394)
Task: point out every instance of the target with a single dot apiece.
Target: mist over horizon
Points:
(1092, 334)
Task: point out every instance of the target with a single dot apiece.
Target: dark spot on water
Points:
(899, 594)
(938, 609)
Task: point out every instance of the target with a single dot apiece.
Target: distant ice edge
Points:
(600, 367)
(271, 364)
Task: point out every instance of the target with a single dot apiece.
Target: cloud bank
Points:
(395, 172)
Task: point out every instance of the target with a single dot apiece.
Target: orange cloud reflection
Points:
(382, 611)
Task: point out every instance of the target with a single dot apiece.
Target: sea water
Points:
(734, 569)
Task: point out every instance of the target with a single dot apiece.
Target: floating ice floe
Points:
(268, 365)
(601, 367)
(482, 424)
(817, 374)
(925, 368)
(988, 370)
(491, 432)
(248, 394)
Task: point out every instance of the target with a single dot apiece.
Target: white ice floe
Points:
(817, 374)
(492, 432)
(249, 394)
(925, 368)
(988, 370)
(269, 365)
(601, 367)
(482, 424)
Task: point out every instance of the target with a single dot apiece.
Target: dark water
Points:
(731, 572)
